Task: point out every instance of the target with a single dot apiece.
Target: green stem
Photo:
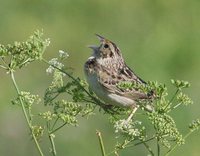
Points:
(51, 138)
(148, 148)
(172, 99)
(158, 147)
(5, 64)
(132, 145)
(143, 141)
(3, 67)
(54, 97)
(54, 123)
(53, 131)
(101, 143)
(176, 106)
(25, 113)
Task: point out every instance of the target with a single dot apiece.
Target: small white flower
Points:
(63, 54)
(50, 70)
(134, 132)
(53, 61)
(48, 41)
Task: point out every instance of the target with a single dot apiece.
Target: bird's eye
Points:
(106, 46)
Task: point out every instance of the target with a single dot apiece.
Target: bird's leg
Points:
(132, 113)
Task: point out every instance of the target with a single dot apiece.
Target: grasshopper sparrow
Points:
(105, 69)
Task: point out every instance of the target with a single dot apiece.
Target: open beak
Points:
(93, 47)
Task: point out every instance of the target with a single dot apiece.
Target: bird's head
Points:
(106, 51)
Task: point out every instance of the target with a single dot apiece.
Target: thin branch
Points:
(3, 67)
(25, 113)
(143, 141)
(136, 144)
(51, 138)
(89, 101)
(54, 123)
(3, 61)
(54, 97)
(176, 106)
(29, 60)
(101, 143)
(148, 148)
(171, 99)
(158, 147)
(53, 131)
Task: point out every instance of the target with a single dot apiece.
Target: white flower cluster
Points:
(63, 54)
(54, 63)
(127, 127)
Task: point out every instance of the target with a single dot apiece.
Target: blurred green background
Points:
(160, 40)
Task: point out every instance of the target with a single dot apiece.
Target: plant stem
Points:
(53, 131)
(54, 123)
(4, 62)
(158, 147)
(172, 99)
(3, 67)
(25, 113)
(148, 148)
(143, 141)
(132, 145)
(51, 138)
(101, 143)
(176, 106)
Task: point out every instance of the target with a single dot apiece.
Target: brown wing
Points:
(111, 80)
